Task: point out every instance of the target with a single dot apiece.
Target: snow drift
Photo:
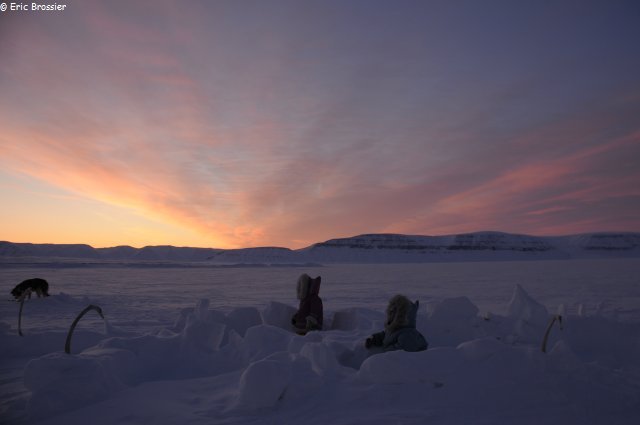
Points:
(260, 370)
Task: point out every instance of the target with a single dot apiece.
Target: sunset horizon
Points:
(604, 232)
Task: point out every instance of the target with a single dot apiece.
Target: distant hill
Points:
(369, 248)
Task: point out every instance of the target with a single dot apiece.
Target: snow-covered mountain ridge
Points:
(368, 248)
(469, 241)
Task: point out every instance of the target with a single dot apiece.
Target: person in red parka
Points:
(309, 314)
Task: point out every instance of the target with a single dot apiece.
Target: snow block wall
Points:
(263, 383)
(60, 382)
(268, 365)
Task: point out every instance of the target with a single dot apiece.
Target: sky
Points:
(231, 124)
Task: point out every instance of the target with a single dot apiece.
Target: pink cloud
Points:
(274, 137)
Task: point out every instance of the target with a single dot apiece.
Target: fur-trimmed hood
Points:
(307, 286)
(401, 313)
(400, 331)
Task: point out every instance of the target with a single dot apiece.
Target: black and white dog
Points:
(37, 285)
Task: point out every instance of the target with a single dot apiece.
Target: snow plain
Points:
(211, 345)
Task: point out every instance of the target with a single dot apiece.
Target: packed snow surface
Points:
(215, 346)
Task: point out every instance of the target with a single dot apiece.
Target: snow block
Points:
(481, 349)
(562, 359)
(263, 383)
(169, 355)
(185, 313)
(278, 314)
(529, 318)
(202, 335)
(400, 367)
(323, 359)
(242, 319)
(121, 364)
(60, 382)
(453, 309)
(450, 322)
(198, 342)
(523, 307)
(299, 341)
(155, 357)
(263, 340)
(356, 319)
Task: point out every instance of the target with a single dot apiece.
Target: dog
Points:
(25, 288)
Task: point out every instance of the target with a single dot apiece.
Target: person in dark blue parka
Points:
(400, 331)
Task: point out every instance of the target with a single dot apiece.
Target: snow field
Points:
(213, 364)
(471, 359)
